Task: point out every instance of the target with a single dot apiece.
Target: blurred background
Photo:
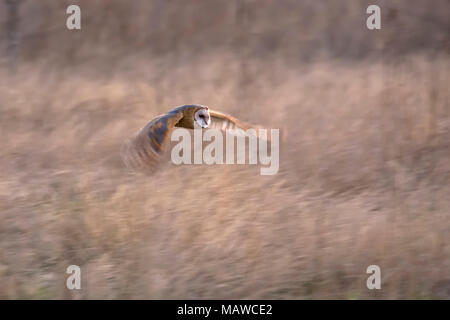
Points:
(364, 166)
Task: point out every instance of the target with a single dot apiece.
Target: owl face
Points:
(202, 118)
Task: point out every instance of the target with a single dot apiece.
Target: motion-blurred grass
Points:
(364, 166)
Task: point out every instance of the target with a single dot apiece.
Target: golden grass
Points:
(364, 179)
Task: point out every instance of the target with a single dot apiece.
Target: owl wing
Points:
(146, 148)
(223, 121)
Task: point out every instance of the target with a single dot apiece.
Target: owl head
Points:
(202, 118)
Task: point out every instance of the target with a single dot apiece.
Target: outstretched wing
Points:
(146, 148)
(223, 121)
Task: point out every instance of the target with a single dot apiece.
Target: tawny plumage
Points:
(145, 149)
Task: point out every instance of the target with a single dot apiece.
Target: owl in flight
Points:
(144, 151)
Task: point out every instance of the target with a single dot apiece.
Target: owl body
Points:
(144, 151)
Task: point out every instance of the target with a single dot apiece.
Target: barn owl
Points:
(145, 149)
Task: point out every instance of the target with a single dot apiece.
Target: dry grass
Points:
(364, 179)
(364, 166)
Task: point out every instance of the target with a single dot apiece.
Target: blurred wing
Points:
(224, 121)
(146, 148)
